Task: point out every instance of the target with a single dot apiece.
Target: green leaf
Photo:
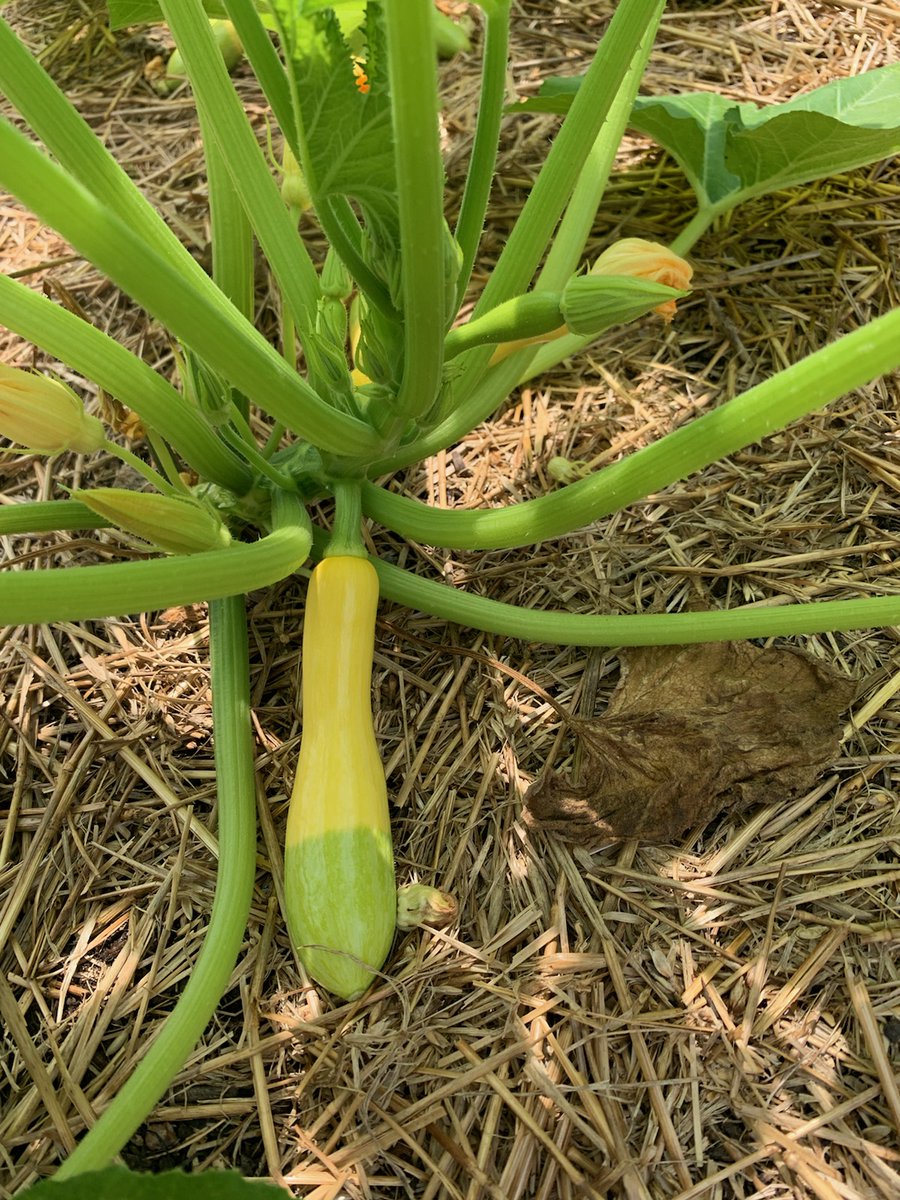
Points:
(346, 146)
(838, 127)
(555, 95)
(731, 151)
(116, 1183)
(694, 128)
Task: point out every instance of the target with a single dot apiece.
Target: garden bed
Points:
(718, 1017)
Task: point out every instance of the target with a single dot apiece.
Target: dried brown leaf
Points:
(691, 731)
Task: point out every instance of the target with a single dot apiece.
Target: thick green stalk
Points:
(224, 119)
(236, 810)
(480, 175)
(626, 43)
(412, 70)
(851, 362)
(267, 66)
(569, 151)
(215, 332)
(232, 237)
(80, 152)
(46, 516)
(98, 357)
(85, 593)
(346, 533)
(643, 629)
(581, 211)
(232, 240)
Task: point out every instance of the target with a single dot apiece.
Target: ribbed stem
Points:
(480, 175)
(851, 362)
(234, 887)
(643, 629)
(420, 178)
(86, 593)
(346, 534)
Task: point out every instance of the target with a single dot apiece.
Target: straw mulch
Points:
(717, 1018)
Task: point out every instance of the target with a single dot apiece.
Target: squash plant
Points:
(390, 376)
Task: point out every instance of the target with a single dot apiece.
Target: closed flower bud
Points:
(44, 415)
(174, 525)
(592, 303)
(294, 191)
(646, 260)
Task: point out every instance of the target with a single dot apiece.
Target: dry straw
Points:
(700, 1022)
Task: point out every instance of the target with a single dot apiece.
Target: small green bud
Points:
(230, 47)
(175, 525)
(44, 415)
(567, 470)
(379, 350)
(419, 904)
(211, 394)
(327, 365)
(332, 322)
(453, 260)
(336, 279)
(294, 190)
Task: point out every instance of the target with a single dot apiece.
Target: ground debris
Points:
(691, 731)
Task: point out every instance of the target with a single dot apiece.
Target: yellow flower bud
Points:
(174, 525)
(641, 259)
(44, 415)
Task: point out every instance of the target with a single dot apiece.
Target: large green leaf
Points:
(118, 1183)
(346, 142)
(347, 148)
(731, 151)
(695, 129)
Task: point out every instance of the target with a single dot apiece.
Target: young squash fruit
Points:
(340, 892)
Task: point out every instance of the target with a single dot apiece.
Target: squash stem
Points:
(346, 536)
(234, 887)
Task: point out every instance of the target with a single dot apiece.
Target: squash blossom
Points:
(641, 259)
(44, 415)
(630, 258)
(360, 76)
(176, 526)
